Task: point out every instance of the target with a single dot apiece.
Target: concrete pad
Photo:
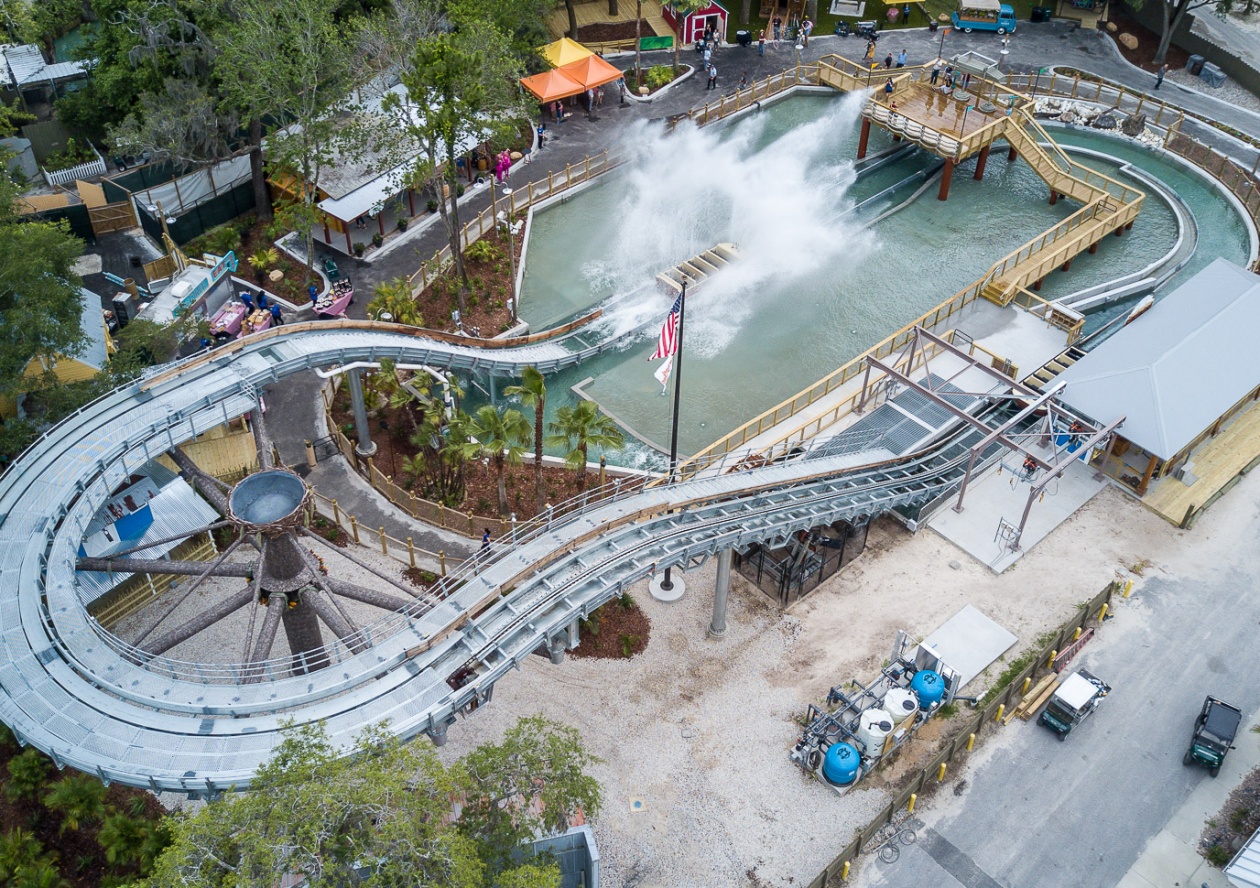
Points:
(1001, 493)
(969, 641)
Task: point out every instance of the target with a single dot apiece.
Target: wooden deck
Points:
(934, 109)
(595, 12)
(1215, 464)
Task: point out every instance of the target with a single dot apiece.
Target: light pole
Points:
(940, 50)
(1005, 51)
(511, 247)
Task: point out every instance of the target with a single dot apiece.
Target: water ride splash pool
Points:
(828, 268)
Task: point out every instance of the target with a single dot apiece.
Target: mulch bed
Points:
(490, 286)
(291, 287)
(82, 860)
(391, 430)
(608, 32)
(614, 632)
(1148, 42)
(1233, 825)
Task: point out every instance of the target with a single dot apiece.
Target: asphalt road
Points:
(1038, 813)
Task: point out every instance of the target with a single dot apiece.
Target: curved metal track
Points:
(88, 700)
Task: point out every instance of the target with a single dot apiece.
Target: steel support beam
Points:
(366, 447)
(721, 589)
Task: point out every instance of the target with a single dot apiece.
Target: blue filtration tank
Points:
(840, 764)
(929, 687)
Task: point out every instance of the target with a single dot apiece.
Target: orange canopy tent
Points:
(591, 72)
(551, 85)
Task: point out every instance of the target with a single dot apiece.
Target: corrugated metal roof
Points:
(26, 66)
(1178, 368)
(177, 508)
(1244, 870)
(94, 352)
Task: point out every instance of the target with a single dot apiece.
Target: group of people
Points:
(262, 303)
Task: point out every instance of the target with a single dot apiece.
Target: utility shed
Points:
(1244, 870)
(1177, 373)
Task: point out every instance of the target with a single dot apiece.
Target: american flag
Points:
(667, 344)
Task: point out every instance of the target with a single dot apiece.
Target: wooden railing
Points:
(1069, 320)
(757, 91)
(520, 199)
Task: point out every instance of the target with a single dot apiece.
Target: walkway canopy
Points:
(563, 52)
(591, 72)
(551, 85)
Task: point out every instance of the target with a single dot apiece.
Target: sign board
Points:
(647, 43)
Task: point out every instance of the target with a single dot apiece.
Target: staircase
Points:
(1045, 374)
(697, 269)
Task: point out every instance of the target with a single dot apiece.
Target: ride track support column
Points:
(366, 446)
(864, 137)
(981, 161)
(721, 590)
(946, 175)
(1011, 154)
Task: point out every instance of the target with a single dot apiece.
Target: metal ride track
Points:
(91, 701)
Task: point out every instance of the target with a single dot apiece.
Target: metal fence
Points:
(962, 740)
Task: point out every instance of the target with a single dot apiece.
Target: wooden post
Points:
(864, 137)
(380, 531)
(1011, 154)
(411, 553)
(442, 561)
(981, 161)
(1146, 477)
(1093, 248)
(1054, 197)
(946, 176)
(354, 528)
(336, 513)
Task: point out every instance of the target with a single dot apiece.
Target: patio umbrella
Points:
(564, 51)
(551, 85)
(591, 72)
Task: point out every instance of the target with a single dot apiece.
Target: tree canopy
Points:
(386, 815)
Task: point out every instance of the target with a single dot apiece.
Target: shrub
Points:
(483, 251)
(402, 224)
(359, 248)
(264, 259)
(377, 239)
(1218, 856)
(590, 626)
(627, 644)
(27, 775)
(431, 205)
(658, 76)
(626, 600)
(222, 240)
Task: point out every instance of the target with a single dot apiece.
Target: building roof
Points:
(94, 352)
(1179, 367)
(1244, 870)
(26, 66)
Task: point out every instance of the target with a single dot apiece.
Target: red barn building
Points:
(690, 28)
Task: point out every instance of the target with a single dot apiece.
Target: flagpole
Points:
(667, 583)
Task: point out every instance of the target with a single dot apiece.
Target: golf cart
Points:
(1073, 702)
(1214, 731)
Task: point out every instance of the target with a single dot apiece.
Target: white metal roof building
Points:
(1179, 370)
(24, 68)
(1244, 870)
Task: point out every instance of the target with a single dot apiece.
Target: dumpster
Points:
(1195, 64)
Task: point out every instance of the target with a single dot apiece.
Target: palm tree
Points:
(18, 849)
(394, 298)
(533, 393)
(41, 874)
(580, 428)
(27, 775)
(123, 838)
(499, 435)
(79, 799)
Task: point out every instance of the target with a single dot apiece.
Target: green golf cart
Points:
(1214, 731)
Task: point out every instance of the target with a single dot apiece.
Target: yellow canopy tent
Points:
(563, 52)
(551, 85)
(591, 72)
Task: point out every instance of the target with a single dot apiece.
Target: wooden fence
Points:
(975, 724)
(403, 551)
(520, 199)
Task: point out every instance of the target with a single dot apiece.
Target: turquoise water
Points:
(815, 287)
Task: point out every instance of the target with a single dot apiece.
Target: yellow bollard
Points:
(354, 528)
(1053, 656)
(914, 797)
(1128, 587)
(1026, 685)
(411, 553)
(940, 773)
(1001, 710)
(442, 561)
(380, 531)
(844, 872)
(1102, 612)
(1076, 636)
(971, 741)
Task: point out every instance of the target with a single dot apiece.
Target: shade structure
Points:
(551, 85)
(563, 52)
(591, 72)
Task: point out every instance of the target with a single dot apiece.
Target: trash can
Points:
(1040, 14)
(1195, 64)
(933, 25)
(1212, 75)
(744, 38)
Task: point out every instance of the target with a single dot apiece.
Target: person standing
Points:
(888, 60)
(708, 55)
(761, 43)
(743, 81)
(936, 72)
(901, 59)
(778, 30)
(888, 87)
(276, 319)
(485, 539)
(599, 97)
(1159, 75)
(806, 27)
(870, 51)
(712, 77)
(905, 13)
